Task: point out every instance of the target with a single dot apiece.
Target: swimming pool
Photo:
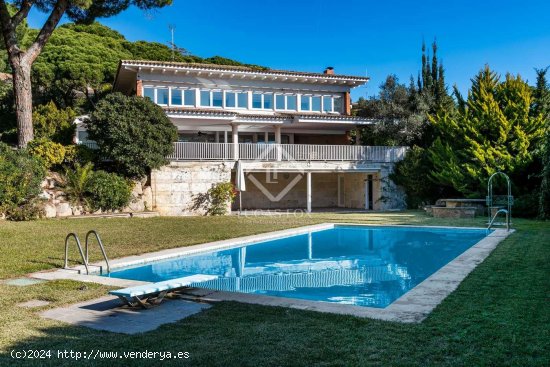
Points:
(347, 264)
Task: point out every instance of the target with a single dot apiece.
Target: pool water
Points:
(357, 265)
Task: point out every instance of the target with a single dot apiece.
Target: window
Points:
(205, 98)
(230, 99)
(305, 103)
(262, 101)
(189, 97)
(268, 101)
(338, 104)
(291, 102)
(217, 99)
(316, 103)
(177, 97)
(327, 104)
(242, 98)
(149, 92)
(162, 96)
(285, 102)
(280, 102)
(256, 100)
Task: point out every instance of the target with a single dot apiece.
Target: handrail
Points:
(100, 247)
(84, 259)
(505, 212)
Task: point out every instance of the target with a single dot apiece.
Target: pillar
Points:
(357, 136)
(235, 135)
(308, 199)
(278, 142)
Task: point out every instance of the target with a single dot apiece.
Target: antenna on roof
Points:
(172, 28)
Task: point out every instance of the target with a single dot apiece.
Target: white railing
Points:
(285, 152)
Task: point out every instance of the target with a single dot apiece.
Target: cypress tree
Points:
(495, 131)
(541, 106)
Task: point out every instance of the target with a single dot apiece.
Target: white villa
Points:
(291, 132)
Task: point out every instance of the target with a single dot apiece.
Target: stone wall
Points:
(177, 184)
(56, 203)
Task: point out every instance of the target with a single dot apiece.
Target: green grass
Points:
(498, 316)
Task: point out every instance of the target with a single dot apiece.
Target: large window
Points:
(189, 97)
(177, 97)
(242, 100)
(316, 103)
(305, 103)
(162, 96)
(338, 104)
(149, 92)
(285, 102)
(206, 99)
(327, 104)
(262, 101)
(236, 99)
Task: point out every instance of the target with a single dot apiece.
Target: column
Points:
(225, 136)
(217, 136)
(308, 199)
(278, 142)
(235, 135)
(357, 136)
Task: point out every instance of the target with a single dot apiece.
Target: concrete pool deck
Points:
(412, 307)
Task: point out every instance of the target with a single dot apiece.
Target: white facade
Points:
(295, 124)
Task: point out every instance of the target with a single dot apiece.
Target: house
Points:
(291, 131)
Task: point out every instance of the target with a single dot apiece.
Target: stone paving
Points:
(107, 313)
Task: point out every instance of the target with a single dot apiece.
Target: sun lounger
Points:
(154, 293)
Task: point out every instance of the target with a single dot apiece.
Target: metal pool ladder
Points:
(493, 202)
(84, 254)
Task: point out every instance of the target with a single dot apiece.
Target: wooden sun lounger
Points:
(154, 293)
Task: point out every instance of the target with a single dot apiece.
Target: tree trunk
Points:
(23, 102)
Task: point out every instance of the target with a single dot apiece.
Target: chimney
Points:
(329, 70)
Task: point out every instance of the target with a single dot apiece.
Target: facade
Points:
(290, 131)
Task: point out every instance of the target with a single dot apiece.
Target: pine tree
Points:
(541, 105)
(495, 131)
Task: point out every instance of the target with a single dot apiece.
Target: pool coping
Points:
(412, 307)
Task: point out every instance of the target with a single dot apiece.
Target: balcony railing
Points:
(284, 152)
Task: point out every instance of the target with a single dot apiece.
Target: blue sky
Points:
(355, 37)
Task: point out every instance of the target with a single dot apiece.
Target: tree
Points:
(78, 61)
(21, 60)
(495, 131)
(541, 105)
(132, 132)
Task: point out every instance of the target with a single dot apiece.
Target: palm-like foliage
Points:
(76, 184)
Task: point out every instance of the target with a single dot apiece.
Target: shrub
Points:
(53, 123)
(50, 153)
(76, 184)
(108, 191)
(412, 175)
(133, 133)
(79, 154)
(215, 200)
(21, 176)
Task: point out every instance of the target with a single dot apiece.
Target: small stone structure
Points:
(456, 208)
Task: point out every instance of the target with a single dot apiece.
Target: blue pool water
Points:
(358, 265)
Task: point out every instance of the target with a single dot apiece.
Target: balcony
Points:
(285, 152)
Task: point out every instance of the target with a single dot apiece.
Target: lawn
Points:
(498, 316)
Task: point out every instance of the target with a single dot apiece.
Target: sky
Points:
(374, 38)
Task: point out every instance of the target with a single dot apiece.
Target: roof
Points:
(187, 111)
(241, 69)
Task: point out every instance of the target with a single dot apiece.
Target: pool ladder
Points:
(84, 254)
(506, 223)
